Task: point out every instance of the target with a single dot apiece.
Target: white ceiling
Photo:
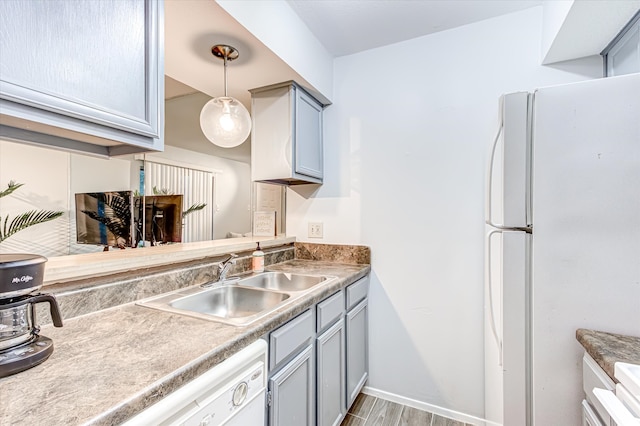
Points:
(349, 26)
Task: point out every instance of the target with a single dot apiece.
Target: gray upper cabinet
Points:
(83, 75)
(286, 137)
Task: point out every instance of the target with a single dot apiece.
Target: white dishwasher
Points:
(623, 407)
(232, 394)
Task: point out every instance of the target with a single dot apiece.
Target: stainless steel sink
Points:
(240, 303)
(282, 281)
(230, 301)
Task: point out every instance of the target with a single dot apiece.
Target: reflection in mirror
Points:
(270, 197)
(105, 219)
(95, 175)
(51, 179)
(219, 178)
(189, 166)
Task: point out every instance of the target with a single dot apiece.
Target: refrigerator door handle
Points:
(489, 190)
(488, 258)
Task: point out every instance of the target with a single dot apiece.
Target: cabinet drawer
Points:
(356, 292)
(287, 340)
(330, 310)
(594, 377)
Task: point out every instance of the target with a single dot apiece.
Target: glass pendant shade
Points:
(225, 122)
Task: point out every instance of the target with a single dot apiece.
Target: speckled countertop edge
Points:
(608, 348)
(109, 365)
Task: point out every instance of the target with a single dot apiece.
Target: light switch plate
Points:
(315, 230)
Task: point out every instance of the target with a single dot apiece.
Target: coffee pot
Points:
(21, 345)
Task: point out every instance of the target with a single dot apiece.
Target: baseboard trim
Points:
(444, 412)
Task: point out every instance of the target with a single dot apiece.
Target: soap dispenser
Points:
(257, 260)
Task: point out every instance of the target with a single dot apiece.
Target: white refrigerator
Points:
(563, 242)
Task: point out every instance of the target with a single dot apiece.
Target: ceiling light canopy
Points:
(224, 120)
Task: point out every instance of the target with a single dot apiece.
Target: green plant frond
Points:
(117, 204)
(163, 191)
(11, 186)
(25, 220)
(194, 208)
(120, 227)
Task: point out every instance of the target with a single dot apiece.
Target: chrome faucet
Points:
(225, 265)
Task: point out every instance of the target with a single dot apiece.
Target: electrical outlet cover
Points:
(315, 230)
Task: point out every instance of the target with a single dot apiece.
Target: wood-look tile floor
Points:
(368, 410)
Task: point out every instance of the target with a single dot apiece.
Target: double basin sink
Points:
(235, 301)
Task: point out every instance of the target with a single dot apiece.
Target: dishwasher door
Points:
(231, 393)
(253, 413)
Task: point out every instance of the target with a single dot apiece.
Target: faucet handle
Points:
(231, 258)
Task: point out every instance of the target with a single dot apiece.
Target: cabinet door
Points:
(293, 392)
(308, 134)
(330, 348)
(75, 64)
(357, 350)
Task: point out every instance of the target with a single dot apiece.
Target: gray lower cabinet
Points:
(291, 397)
(357, 338)
(318, 361)
(83, 75)
(292, 391)
(330, 349)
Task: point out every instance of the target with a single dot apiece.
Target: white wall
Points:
(282, 30)
(554, 14)
(405, 148)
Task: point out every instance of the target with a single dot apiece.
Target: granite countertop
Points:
(608, 348)
(111, 364)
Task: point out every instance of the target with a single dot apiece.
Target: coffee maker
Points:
(21, 345)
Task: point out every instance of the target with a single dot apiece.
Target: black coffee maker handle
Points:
(53, 306)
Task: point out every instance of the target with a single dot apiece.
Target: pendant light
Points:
(224, 120)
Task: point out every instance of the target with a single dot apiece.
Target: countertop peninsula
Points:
(608, 348)
(111, 364)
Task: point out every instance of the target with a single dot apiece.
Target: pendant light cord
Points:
(226, 54)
